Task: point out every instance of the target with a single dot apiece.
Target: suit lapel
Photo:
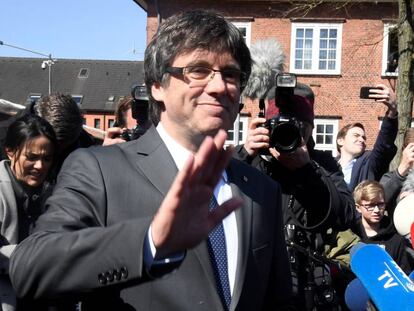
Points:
(244, 220)
(155, 161)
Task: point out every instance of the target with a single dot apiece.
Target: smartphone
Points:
(364, 92)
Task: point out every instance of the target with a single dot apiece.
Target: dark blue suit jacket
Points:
(371, 165)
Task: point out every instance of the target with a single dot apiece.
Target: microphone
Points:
(268, 60)
(404, 215)
(356, 296)
(387, 285)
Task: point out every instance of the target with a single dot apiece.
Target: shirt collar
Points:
(179, 153)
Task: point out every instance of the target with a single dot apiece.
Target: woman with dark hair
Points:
(25, 180)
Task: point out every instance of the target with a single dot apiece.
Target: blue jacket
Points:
(371, 165)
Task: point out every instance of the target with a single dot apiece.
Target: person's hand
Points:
(292, 160)
(386, 96)
(112, 136)
(257, 137)
(407, 160)
(183, 219)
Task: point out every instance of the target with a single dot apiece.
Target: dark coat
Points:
(98, 219)
(371, 165)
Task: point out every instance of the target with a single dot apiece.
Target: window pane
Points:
(97, 123)
(324, 33)
(331, 65)
(328, 139)
(332, 54)
(322, 54)
(329, 129)
(319, 128)
(392, 59)
(308, 54)
(298, 64)
(332, 44)
(323, 44)
(308, 43)
(243, 30)
(299, 43)
(309, 33)
(299, 33)
(322, 65)
(319, 139)
(307, 64)
(332, 33)
(298, 54)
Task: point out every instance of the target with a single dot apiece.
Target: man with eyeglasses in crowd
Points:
(374, 227)
(123, 217)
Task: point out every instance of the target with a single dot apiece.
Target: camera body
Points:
(140, 112)
(284, 129)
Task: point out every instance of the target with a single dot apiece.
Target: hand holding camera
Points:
(257, 137)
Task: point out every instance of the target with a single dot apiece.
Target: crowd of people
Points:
(176, 221)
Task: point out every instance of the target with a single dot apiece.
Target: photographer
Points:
(131, 117)
(315, 196)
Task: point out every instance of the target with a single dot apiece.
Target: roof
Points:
(20, 77)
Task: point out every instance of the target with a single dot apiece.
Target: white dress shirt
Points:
(222, 193)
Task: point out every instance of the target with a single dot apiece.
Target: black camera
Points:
(285, 131)
(139, 110)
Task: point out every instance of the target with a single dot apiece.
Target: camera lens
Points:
(285, 137)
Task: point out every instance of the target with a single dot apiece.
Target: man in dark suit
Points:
(136, 226)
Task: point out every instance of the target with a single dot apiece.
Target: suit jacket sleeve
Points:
(73, 248)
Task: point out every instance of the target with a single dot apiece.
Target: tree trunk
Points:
(405, 86)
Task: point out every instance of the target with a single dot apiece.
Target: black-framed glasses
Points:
(370, 207)
(201, 76)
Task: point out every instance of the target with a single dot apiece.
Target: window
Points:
(324, 134)
(316, 48)
(245, 29)
(390, 51)
(97, 123)
(83, 73)
(78, 99)
(111, 122)
(237, 135)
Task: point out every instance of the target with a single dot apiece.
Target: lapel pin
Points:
(245, 179)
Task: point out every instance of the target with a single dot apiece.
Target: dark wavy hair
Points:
(26, 128)
(187, 32)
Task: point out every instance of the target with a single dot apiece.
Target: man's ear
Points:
(157, 92)
(340, 142)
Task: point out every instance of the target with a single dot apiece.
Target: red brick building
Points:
(336, 48)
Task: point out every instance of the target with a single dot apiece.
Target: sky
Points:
(74, 29)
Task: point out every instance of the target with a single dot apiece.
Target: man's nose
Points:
(216, 84)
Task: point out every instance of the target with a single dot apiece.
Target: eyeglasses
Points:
(201, 76)
(372, 206)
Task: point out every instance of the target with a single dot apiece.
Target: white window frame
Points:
(324, 122)
(385, 51)
(315, 48)
(248, 27)
(237, 140)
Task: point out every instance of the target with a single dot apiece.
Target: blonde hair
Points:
(367, 191)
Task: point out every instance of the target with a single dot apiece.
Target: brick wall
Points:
(361, 61)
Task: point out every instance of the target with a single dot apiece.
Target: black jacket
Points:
(315, 196)
(394, 244)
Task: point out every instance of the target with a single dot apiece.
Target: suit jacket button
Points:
(102, 279)
(109, 276)
(124, 272)
(117, 274)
